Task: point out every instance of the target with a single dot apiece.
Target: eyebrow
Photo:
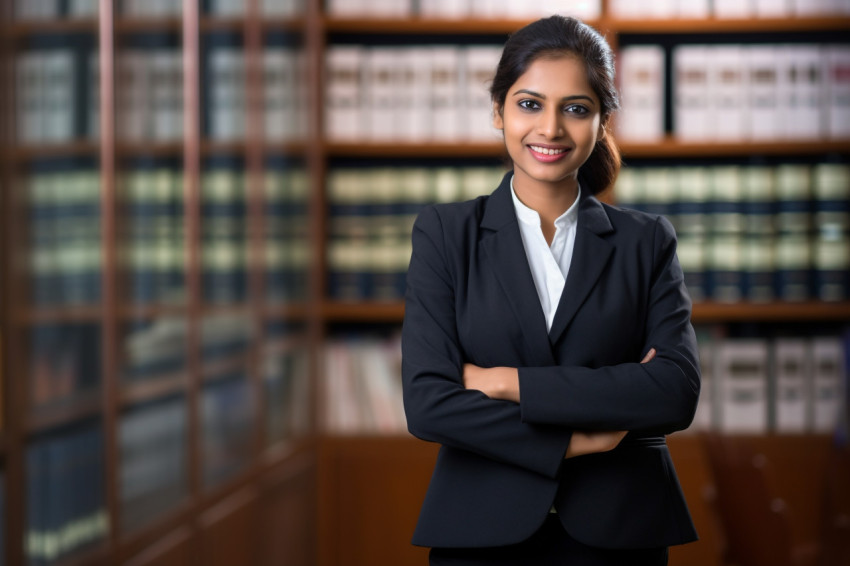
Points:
(564, 99)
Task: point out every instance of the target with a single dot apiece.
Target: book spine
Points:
(642, 93)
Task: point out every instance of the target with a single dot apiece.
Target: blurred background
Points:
(206, 208)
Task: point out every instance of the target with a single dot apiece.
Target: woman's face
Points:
(551, 120)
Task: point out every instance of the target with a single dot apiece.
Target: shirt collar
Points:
(529, 216)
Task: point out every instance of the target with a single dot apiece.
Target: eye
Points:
(529, 104)
(576, 109)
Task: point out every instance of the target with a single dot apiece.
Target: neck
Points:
(549, 200)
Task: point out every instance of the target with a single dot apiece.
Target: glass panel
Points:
(65, 507)
(228, 412)
(287, 245)
(227, 405)
(286, 378)
(63, 205)
(153, 469)
(64, 371)
(153, 231)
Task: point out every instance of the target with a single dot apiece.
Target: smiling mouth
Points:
(547, 151)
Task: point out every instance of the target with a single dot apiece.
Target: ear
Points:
(498, 122)
(603, 131)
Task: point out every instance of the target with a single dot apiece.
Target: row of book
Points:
(58, 100)
(284, 87)
(736, 92)
(665, 9)
(457, 9)
(753, 233)
(362, 386)
(370, 219)
(56, 94)
(410, 93)
(788, 385)
(28, 10)
(65, 504)
(65, 246)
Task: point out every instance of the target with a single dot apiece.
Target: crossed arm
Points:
(503, 383)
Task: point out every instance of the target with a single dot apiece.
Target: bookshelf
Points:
(264, 481)
(186, 377)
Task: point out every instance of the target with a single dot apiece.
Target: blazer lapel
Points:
(591, 253)
(504, 253)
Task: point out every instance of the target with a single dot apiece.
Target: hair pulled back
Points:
(557, 36)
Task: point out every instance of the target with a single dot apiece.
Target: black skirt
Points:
(549, 546)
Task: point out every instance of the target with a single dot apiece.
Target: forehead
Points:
(562, 72)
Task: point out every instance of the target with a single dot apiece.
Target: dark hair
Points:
(561, 35)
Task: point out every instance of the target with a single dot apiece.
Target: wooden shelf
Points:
(81, 406)
(731, 25)
(150, 388)
(791, 312)
(813, 311)
(417, 25)
(407, 149)
(152, 24)
(23, 29)
(670, 147)
(31, 152)
(59, 315)
(471, 26)
(363, 312)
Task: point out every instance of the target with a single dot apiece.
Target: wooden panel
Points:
(372, 490)
(172, 550)
(288, 511)
(694, 471)
(229, 531)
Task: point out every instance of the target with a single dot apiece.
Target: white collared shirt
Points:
(549, 264)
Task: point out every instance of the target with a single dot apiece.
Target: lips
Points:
(548, 154)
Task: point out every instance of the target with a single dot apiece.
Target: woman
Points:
(547, 343)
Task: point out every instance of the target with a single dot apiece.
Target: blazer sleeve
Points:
(437, 406)
(659, 396)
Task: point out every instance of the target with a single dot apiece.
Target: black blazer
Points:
(471, 298)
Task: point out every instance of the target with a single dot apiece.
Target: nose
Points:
(550, 124)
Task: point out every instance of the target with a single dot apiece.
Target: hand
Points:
(583, 443)
(649, 355)
(496, 383)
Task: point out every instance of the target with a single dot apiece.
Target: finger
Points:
(649, 355)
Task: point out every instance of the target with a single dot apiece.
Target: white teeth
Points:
(547, 151)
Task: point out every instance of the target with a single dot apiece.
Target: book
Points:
(732, 8)
(766, 85)
(344, 93)
(831, 254)
(693, 232)
(224, 237)
(828, 363)
(279, 95)
(794, 232)
(226, 93)
(772, 8)
(480, 62)
(806, 112)
(792, 394)
(691, 94)
(446, 80)
(838, 91)
(741, 370)
(381, 86)
(641, 72)
(759, 254)
(726, 233)
(728, 85)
